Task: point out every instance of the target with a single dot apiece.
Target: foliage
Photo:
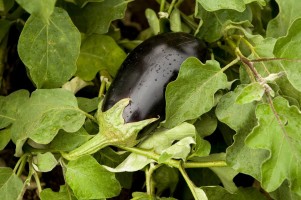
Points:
(236, 115)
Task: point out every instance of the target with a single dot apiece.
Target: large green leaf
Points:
(238, 5)
(96, 17)
(192, 94)
(278, 132)
(50, 50)
(288, 47)
(9, 106)
(241, 118)
(47, 111)
(10, 184)
(288, 13)
(99, 52)
(89, 180)
(42, 9)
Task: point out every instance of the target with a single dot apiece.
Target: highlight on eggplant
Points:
(145, 73)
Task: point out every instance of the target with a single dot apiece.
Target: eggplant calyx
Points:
(112, 131)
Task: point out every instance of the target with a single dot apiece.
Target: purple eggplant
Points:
(145, 73)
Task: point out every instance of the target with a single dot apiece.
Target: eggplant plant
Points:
(117, 99)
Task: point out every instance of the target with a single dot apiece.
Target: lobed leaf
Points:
(50, 50)
(241, 118)
(278, 132)
(99, 52)
(89, 180)
(288, 47)
(192, 93)
(44, 114)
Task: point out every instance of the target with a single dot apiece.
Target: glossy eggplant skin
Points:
(145, 73)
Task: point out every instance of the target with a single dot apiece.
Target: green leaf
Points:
(175, 21)
(158, 142)
(165, 178)
(206, 125)
(217, 193)
(284, 192)
(145, 196)
(238, 5)
(44, 114)
(50, 51)
(88, 105)
(4, 138)
(10, 184)
(89, 180)
(99, 52)
(96, 17)
(9, 106)
(63, 194)
(44, 162)
(241, 118)
(288, 47)
(288, 13)
(226, 175)
(153, 20)
(65, 141)
(250, 93)
(83, 3)
(214, 23)
(277, 132)
(42, 9)
(196, 82)
(179, 150)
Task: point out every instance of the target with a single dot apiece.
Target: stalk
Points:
(93, 145)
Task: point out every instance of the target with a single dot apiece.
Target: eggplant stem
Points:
(93, 145)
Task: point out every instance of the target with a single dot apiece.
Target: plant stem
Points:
(148, 176)
(170, 8)
(233, 62)
(89, 116)
(98, 142)
(102, 88)
(22, 164)
(162, 5)
(188, 181)
(172, 162)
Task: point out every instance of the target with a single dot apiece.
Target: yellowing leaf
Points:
(278, 132)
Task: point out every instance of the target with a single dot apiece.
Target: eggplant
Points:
(145, 73)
